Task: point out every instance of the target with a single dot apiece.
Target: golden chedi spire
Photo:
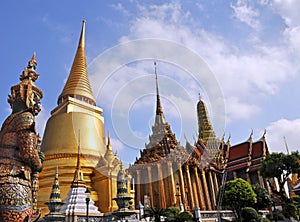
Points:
(76, 110)
(78, 84)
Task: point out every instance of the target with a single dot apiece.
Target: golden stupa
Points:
(76, 121)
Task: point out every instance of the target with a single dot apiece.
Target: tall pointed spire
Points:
(205, 128)
(78, 180)
(160, 117)
(55, 203)
(55, 192)
(78, 85)
(108, 146)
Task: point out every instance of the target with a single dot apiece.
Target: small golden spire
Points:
(228, 140)
(108, 146)
(251, 134)
(55, 192)
(286, 146)
(78, 180)
(78, 84)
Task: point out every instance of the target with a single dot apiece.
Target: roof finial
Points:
(158, 107)
(32, 63)
(229, 137)
(108, 146)
(82, 35)
(286, 146)
(251, 134)
(200, 97)
(160, 118)
(78, 180)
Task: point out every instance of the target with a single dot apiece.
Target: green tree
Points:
(154, 213)
(249, 214)
(263, 198)
(174, 214)
(280, 166)
(238, 194)
(185, 216)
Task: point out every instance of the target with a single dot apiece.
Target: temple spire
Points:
(78, 180)
(108, 146)
(55, 203)
(205, 128)
(78, 85)
(160, 117)
(55, 192)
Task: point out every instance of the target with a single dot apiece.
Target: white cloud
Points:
(289, 11)
(119, 7)
(242, 74)
(238, 110)
(117, 145)
(247, 76)
(276, 131)
(245, 13)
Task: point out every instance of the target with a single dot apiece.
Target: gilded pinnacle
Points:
(78, 85)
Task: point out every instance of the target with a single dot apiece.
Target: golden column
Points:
(109, 188)
(150, 185)
(161, 186)
(172, 184)
(190, 193)
(216, 184)
(212, 188)
(181, 184)
(200, 193)
(195, 190)
(138, 186)
(206, 193)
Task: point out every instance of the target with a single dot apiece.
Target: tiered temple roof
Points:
(162, 141)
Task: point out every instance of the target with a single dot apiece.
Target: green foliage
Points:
(280, 166)
(249, 214)
(174, 214)
(185, 216)
(154, 213)
(263, 198)
(237, 195)
(264, 219)
(291, 208)
(276, 215)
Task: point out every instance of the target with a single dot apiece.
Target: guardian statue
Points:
(20, 155)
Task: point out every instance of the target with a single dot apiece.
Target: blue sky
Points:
(252, 49)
